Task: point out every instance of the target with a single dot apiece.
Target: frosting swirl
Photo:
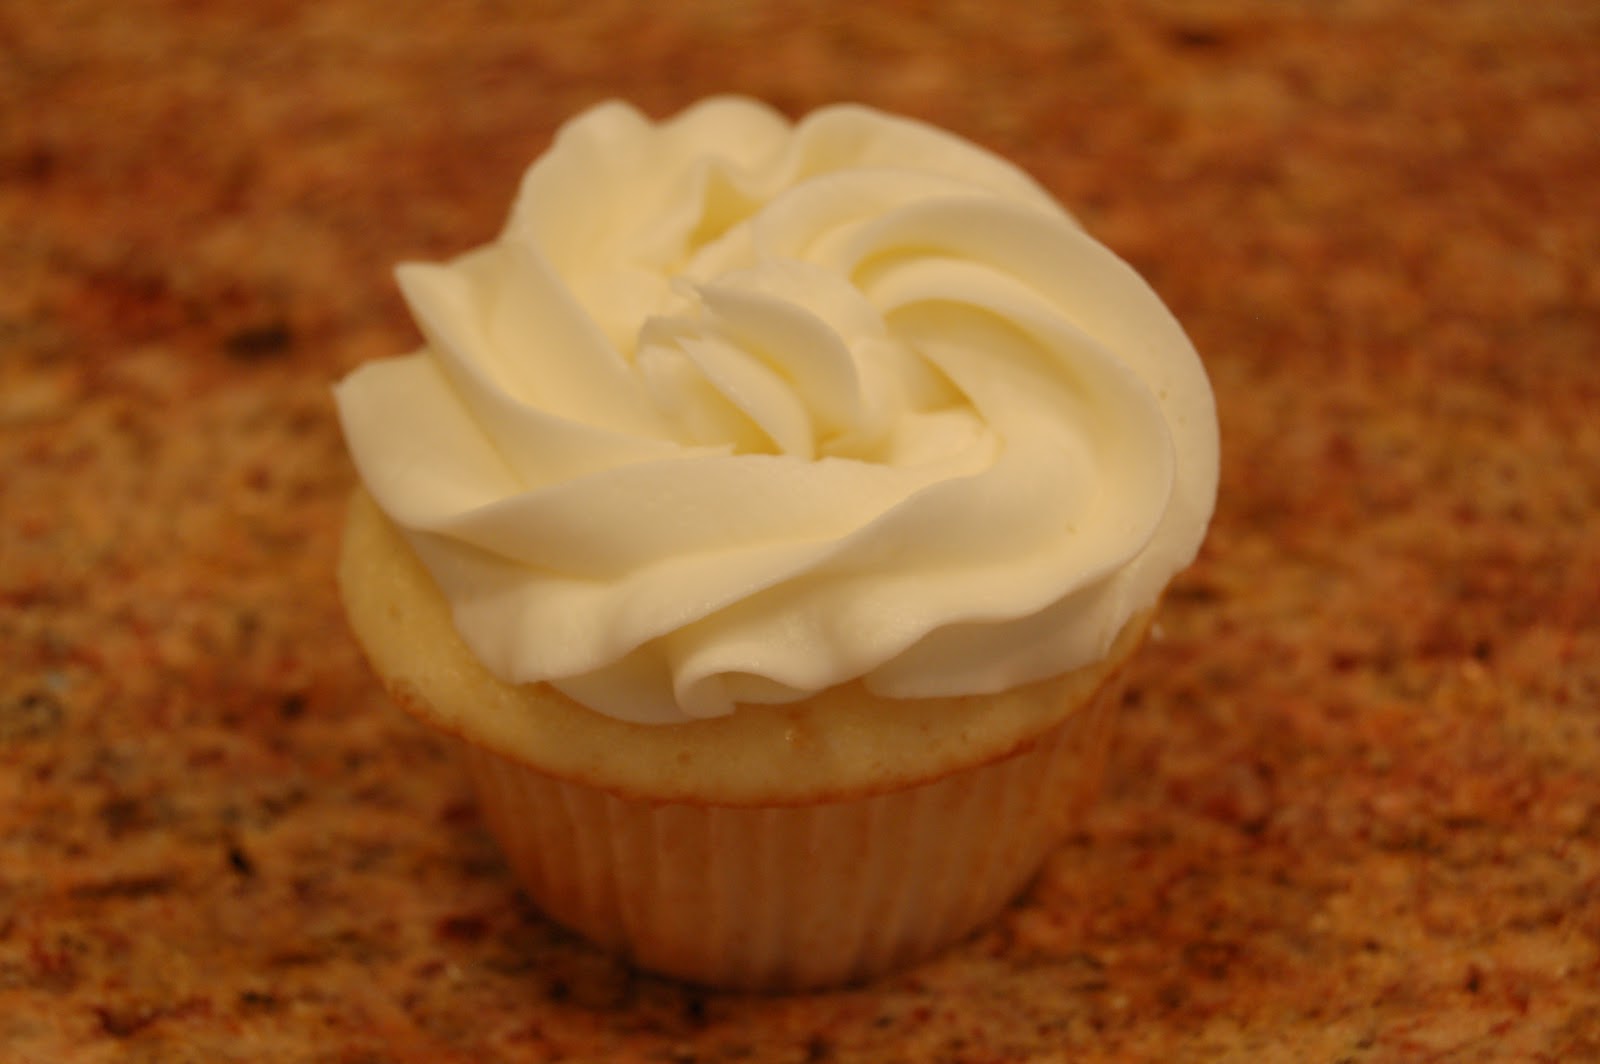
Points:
(735, 410)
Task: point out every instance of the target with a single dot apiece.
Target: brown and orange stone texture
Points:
(1353, 812)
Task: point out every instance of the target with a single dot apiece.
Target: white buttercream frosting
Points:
(735, 410)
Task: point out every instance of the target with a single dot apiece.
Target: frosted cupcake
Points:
(770, 514)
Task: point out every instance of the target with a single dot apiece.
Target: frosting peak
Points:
(735, 410)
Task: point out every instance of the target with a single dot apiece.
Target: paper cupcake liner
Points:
(794, 896)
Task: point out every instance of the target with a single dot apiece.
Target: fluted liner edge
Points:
(793, 896)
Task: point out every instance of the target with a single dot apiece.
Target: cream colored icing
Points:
(736, 410)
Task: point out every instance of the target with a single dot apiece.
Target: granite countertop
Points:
(1353, 811)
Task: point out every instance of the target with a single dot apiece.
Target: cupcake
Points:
(769, 517)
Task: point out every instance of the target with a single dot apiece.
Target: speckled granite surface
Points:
(1354, 812)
